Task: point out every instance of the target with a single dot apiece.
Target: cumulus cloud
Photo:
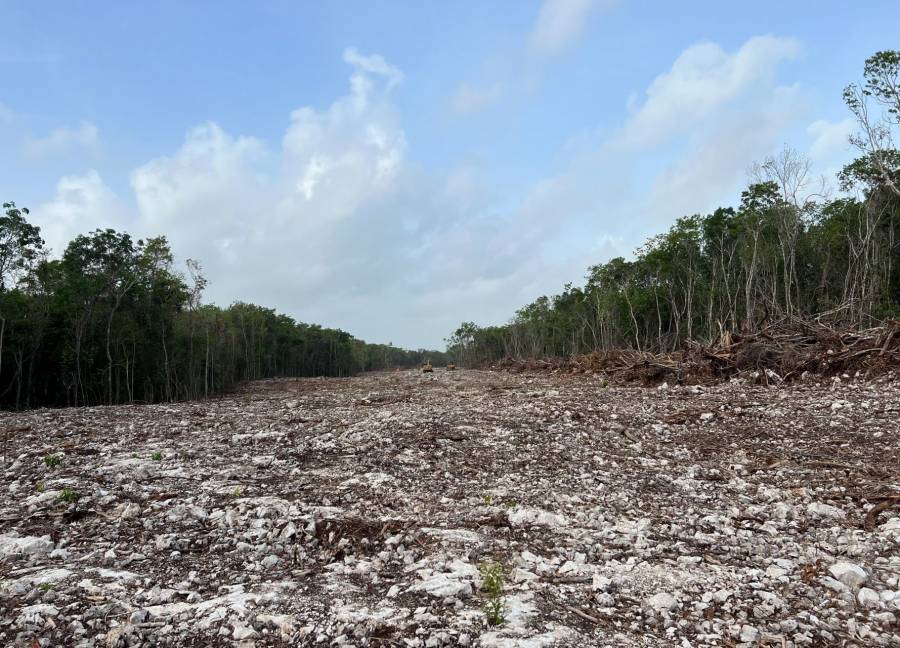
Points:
(560, 22)
(350, 153)
(62, 140)
(207, 196)
(82, 203)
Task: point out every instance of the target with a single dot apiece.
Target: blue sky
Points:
(394, 168)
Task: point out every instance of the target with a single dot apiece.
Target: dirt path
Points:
(360, 511)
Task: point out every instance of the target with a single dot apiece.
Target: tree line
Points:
(113, 321)
(786, 250)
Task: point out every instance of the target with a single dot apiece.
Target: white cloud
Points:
(830, 138)
(467, 99)
(322, 222)
(560, 22)
(63, 140)
(82, 203)
(712, 171)
(703, 79)
(374, 64)
(207, 195)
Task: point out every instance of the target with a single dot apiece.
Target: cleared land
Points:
(359, 511)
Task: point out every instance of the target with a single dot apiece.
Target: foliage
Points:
(113, 321)
(20, 245)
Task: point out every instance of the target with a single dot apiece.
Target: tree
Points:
(100, 266)
(789, 172)
(875, 139)
(20, 245)
(112, 321)
(20, 248)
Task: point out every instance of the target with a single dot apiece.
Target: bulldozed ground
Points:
(371, 511)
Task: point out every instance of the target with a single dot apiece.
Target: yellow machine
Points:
(427, 368)
(451, 366)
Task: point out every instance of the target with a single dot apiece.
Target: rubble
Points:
(360, 512)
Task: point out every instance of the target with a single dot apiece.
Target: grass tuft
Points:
(68, 495)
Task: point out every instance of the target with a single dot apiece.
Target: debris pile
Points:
(464, 508)
(785, 351)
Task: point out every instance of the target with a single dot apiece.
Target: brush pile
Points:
(780, 352)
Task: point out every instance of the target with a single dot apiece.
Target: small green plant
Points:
(495, 612)
(488, 499)
(68, 495)
(237, 492)
(509, 504)
(492, 579)
(45, 587)
(492, 576)
(604, 384)
(39, 487)
(248, 399)
(156, 456)
(52, 461)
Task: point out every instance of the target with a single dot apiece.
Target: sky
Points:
(396, 168)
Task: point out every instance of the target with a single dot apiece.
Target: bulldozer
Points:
(426, 367)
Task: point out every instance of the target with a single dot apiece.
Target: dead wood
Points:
(871, 520)
(781, 352)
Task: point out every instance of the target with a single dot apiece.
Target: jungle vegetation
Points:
(113, 321)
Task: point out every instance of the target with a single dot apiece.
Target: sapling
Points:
(492, 579)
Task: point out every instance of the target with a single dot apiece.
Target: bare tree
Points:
(789, 170)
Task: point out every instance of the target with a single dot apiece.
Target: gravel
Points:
(365, 511)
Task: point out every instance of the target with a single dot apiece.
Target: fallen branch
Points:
(871, 520)
(583, 615)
